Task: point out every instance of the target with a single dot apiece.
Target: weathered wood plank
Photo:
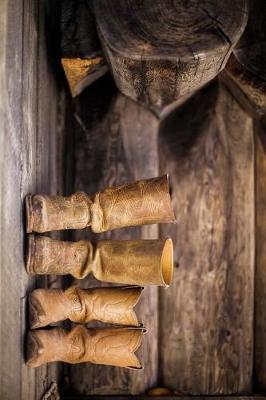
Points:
(28, 157)
(245, 76)
(29, 163)
(10, 203)
(116, 142)
(206, 316)
(49, 140)
(260, 276)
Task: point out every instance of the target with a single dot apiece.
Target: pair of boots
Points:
(109, 346)
(138, 262)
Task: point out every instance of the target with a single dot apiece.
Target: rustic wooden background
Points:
(206, 333)
(200, 330)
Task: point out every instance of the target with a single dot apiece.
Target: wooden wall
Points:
(200, 331)
(32, 129)
(206, 317)
(201, 338)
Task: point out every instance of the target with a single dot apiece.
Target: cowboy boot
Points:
(143, 202)
(133, 262)
(98, 346)
(110, 305)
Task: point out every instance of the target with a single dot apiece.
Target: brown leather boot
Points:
(110, 305)
(98, 346)
(133, 262)
(143, 202)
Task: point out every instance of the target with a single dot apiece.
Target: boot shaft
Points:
(133, 262)
(143, 202)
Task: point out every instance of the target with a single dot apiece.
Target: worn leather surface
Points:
(99, 346)
(133, 262)
(143, 202)
(110, 305)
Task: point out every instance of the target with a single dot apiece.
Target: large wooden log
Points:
(206, 316)
(116, 142)
(81, 54)
(160, 51)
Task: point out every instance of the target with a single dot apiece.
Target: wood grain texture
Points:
(81, 53)
(11, 262)
(260, 276)
(160, 51)
(116, 142)
(206, 316)
(30, 162)
(246, 78)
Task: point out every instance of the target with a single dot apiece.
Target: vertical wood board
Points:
(206, 317)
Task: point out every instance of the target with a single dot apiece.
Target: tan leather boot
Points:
(98, 346)
(133, 262)
(110, 305)
(143, 202)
